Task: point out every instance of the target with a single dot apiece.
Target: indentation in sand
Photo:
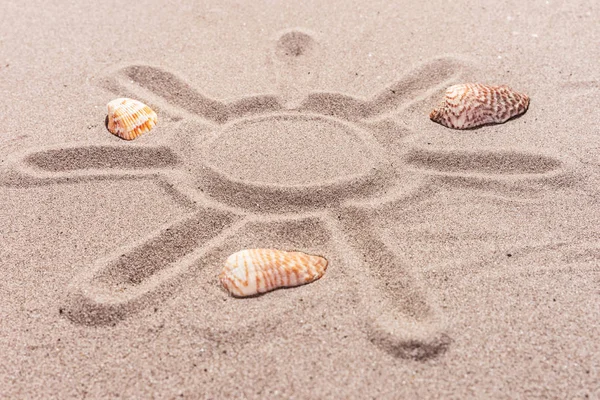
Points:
(102, 157)
(296, 56)
(144, 273)
(483, 162)
(170, 245)
(294, 44)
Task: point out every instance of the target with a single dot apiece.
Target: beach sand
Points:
(462, 264)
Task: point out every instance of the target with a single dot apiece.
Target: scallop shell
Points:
(252, 271)
(128, 118)
(473, 104)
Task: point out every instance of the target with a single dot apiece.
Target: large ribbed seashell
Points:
(473, 104)
(128, 118)
(252, 271)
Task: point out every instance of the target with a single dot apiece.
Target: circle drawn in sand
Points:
(307, 150)
(334, 176)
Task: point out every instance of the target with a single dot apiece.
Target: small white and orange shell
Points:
(128, 118)
(253, 271)
(471, 105)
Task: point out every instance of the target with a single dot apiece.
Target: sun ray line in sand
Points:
(129, 280)
(399, 319)
(298, 158)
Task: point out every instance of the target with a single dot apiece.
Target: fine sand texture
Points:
(462, 264)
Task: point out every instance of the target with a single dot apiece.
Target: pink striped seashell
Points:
(253, 271)
(473, 104)
(128, 118)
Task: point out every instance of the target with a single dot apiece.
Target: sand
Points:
(463, 264)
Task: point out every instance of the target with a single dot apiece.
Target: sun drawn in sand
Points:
(311, 136)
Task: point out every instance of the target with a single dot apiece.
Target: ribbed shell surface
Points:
(253, 271)
(128, 118)
(473, 104)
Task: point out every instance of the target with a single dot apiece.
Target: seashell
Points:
(473, 104)
(128, 118)
(252, 271)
